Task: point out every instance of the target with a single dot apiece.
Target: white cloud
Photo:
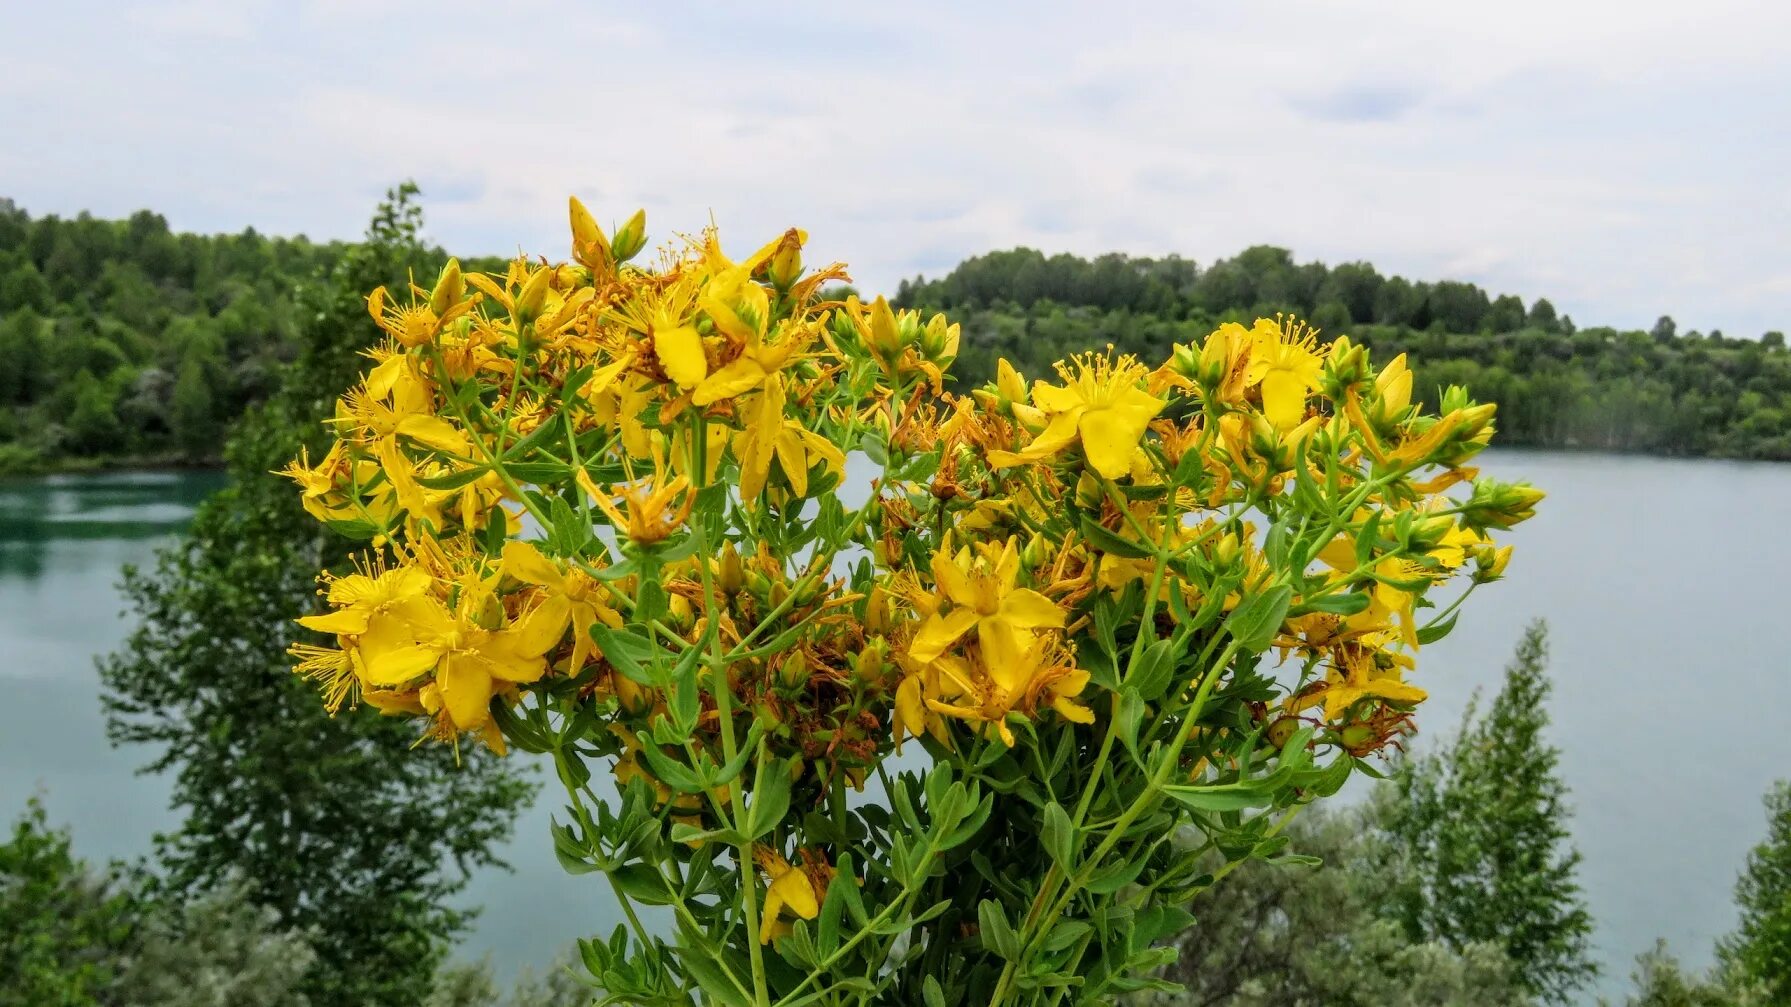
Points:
(1625, 160)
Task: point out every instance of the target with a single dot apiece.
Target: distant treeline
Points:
(1557, 385)
(121, 339)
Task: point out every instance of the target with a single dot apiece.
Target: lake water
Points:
(1659, 579)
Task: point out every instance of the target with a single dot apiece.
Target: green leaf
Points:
(1338, 604)
(1112, 879)
(629, 653)
(454, 480)
(770, 800)
(1110, 542)
(931, 993)
(643, 884)
(538, 473)
(996, 933)
(1437, 630)
(1255, 622)
(1127, 716)
(1059, 836)
(1154, 670)
(685, 833)
(1065, 934)
(1225, 797)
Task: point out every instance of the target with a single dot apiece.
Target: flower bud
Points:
(533, 296)
(630, 237)
(450, 289)
(939, 340)
(1490, 562)
(868, 665)
(1393, 386)
(876, 611)
(730, 574)
(885, 336)
(785, 267)
(1089, 492)
(1496, 504)
(793, 672)
(1346, 368)
(589, 246)
(1226, 550)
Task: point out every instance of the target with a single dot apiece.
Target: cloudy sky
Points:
(1623, 159)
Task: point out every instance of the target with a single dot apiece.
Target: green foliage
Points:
(221, 950)
(1289, 934)
(63, 926)
(98, 317)
(474, 986)
(258, 767)
(1556, 386)
(1477, 840)
(1661, 981)
(1760, 948)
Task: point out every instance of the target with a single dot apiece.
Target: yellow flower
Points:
(650, 516)
(756, 363)
(1015, 676)
(1099, 403)
(796, 448)
(1286, 361)
(798, 889)
(420, 322)
(523, 561)
(360, 596)
(1362, 671)
(470, 662)
(983, 596)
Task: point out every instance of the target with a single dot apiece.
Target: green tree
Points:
(1661, 981)
(190, 412)
(222, 950)
(63, 926)
(1300, 934)
(1760, 948)
(93, 426)
(336, 825)
(1477, 838)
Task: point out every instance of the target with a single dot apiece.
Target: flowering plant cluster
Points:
(910, 696)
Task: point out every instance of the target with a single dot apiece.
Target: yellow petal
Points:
(390, 655)
(795, 891)
(743, 375)
(1028, 609)
(540, 631)
(1110, 438)
(466, 691)
(793, 460)
(435, 432)
(680, 351)
(940, 632)
(1283, 398)
(911, 713)
(347, 621)
(525, 563)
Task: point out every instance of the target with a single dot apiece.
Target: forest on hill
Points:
(123, 339)
(127, 342)
(1557, 385)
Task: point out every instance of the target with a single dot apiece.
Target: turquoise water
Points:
(1659, 577)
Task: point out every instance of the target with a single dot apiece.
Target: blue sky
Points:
(1624, 160)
